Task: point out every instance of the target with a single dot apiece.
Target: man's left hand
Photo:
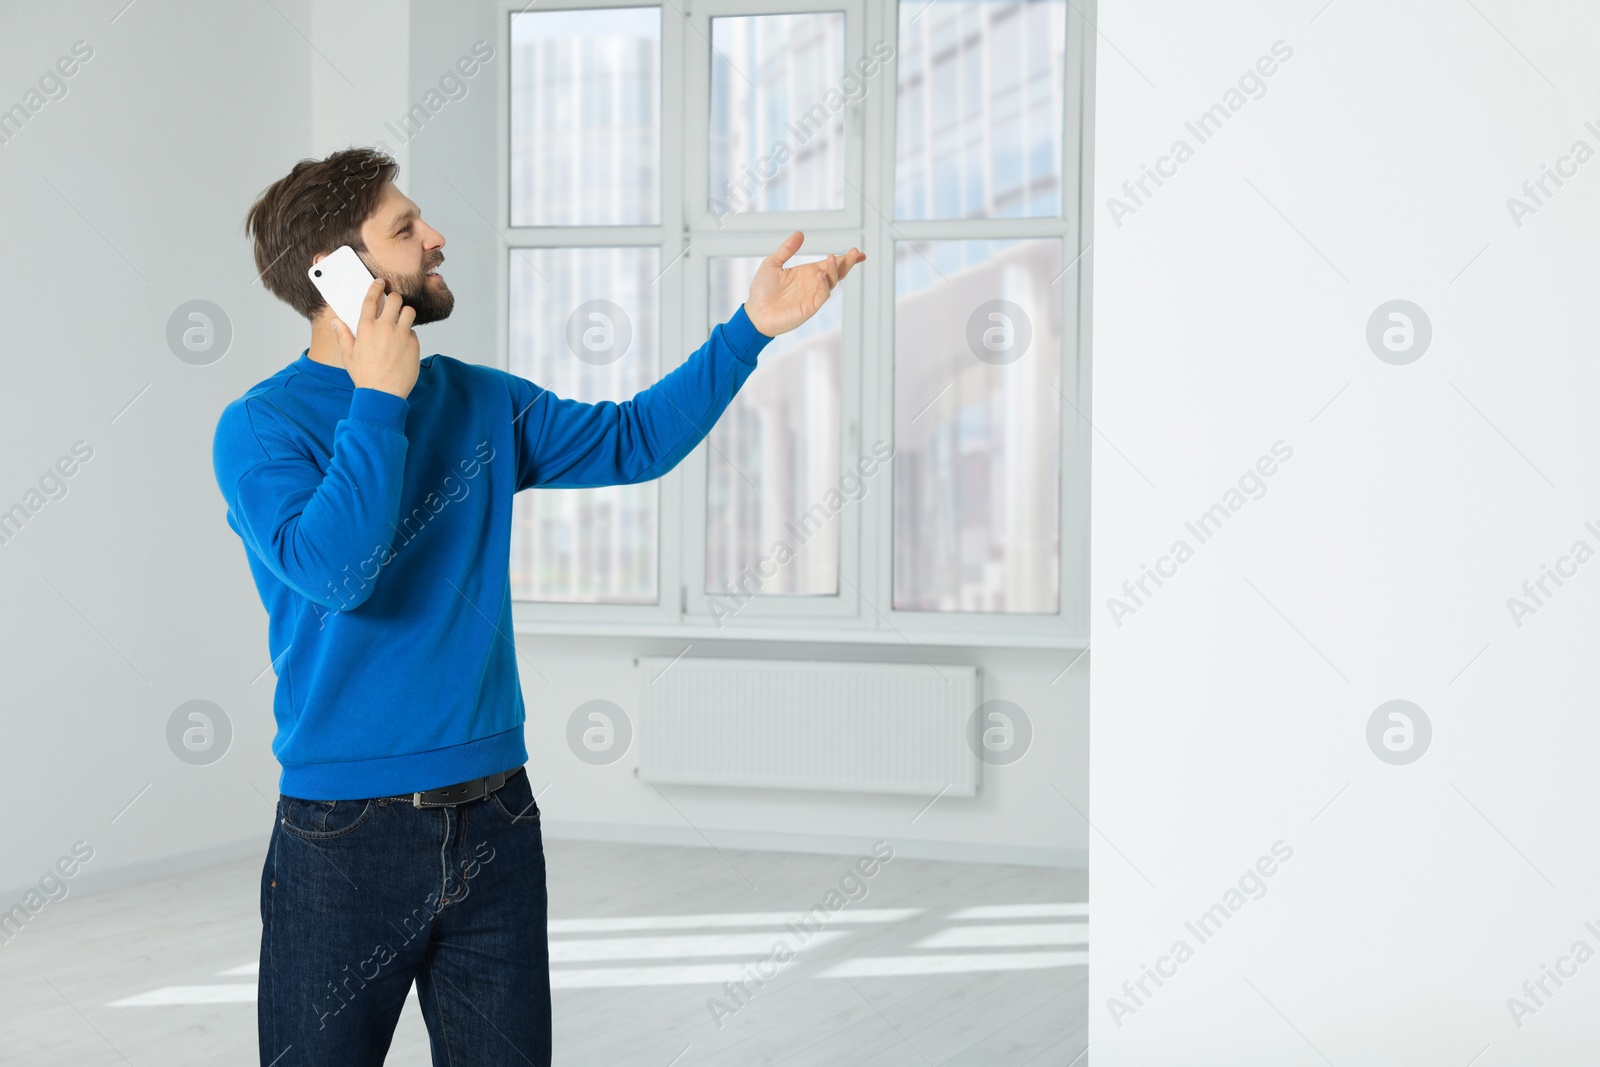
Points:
(782, 298)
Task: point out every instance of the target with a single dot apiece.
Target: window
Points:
(912, 463)
(586, 117)
(585, 123)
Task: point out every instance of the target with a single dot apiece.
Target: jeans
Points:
(361, 897)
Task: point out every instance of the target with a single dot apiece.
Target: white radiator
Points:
(798, 724)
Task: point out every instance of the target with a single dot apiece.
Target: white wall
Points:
(182, 116)
(130, 596)
(1231, 709)
(360, 71)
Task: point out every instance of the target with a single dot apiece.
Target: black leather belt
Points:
(460, 793)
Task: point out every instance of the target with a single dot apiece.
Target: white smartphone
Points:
(343, 281)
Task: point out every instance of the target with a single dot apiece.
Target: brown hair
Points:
(318, 206)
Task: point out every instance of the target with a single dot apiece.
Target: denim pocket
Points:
(322, 820)
(514, 801)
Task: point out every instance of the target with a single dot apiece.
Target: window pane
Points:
(777, 113)
(774, 455)
(586, 117)
(978, 118)
(585, 545)
(977, 365)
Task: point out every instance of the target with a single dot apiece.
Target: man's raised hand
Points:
(782, 298)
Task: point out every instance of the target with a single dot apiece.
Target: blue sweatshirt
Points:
(378, 531)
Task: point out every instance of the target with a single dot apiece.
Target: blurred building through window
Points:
(586, 117)
(977, 458)
(982, 85)
(770, 76)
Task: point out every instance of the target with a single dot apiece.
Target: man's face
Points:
(403, 251)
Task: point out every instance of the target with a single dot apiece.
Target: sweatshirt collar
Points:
(321, 371)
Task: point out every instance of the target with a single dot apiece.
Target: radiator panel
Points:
(804, 724)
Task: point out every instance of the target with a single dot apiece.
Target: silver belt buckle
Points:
(416, 799)
(485, 790)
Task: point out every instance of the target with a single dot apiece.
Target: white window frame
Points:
(862, 612)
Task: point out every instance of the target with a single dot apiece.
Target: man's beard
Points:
(432, 301)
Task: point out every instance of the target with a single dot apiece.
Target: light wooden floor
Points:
(1025, 1007)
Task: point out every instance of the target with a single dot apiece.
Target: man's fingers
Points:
(790, 246)
(851, 258)
(369, 305)
(341, 334)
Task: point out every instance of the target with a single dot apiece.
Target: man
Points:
(373, 493)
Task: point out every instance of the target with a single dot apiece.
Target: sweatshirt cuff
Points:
(742, 335)
(375, 405)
